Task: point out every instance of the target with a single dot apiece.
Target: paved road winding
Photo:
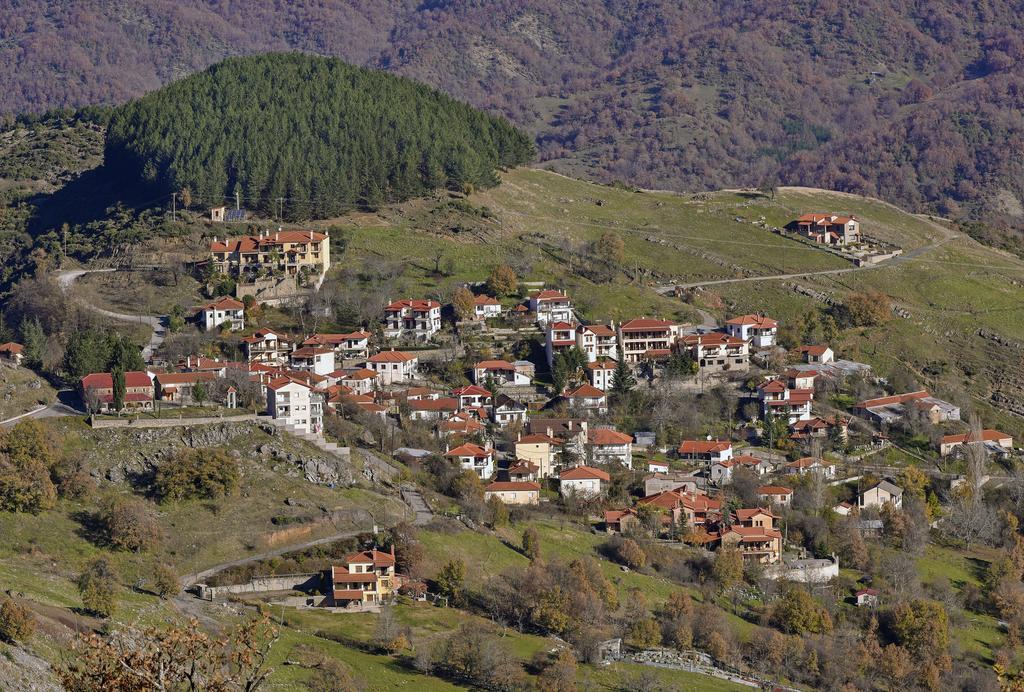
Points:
(158, 323)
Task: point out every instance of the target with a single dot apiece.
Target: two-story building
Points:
(639, 336)
(507, 411)
(288, 252)
(755, 534)
(473, 457)
(601, 373)
(779, 400)
(558, 337)
(717, 352)
(775, 495)
(351, 345)
(414, 320)
(708, 451)
(587, 400)
(607, 445)
(315, 359)
(514, 492)
(880, 495)
(539, 450)
(180, 386)
(295, 403)
(485, 307)
(97, 392)
(267, 346)
(393, 366)
(501, 371)
(760, 331)
(224, 311)
(582, 480)
(828, 229)
(815, 354)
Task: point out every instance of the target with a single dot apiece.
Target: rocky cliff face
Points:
(132, 456)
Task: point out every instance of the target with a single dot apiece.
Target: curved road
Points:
(158, 323)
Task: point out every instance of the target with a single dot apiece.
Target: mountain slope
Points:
(874, 97)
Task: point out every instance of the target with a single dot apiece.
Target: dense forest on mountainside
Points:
(920, 103)
(315, 133)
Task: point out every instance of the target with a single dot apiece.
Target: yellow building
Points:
(286, 252)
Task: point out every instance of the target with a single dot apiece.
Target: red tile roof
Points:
(521, 486)
(225, 303)
(374, 557)
(703, 446)
(250, 243)
(580, 473)
(548, 294)
(813, 350)
(599, 329)
(585, 391)
(537, 438)
(774, 490)
(987, 435)
(644, 324)
(105, 380)
(469, 450)
(606, 436)
(12, 348)
(894, 399)
(494, 365)
(391, 357)
(173, 378)
(413, 304)
(759, 321)
(486, 300)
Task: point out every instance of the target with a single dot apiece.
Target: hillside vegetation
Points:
(315, 133)
(915, 103)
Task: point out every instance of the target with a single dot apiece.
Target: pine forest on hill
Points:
(310, 130)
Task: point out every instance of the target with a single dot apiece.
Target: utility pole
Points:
(174, 206)
(280, 208)
(238, 200)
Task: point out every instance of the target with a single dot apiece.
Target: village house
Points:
(779, 400)
(881, 494)
(501, 371)
(843, 509)
(828, 229)
(551, 306)
(360, 380)
(755, 535)
(180, 387)
(993, 440)
(267, 346)
(203, 364)
(514, 492)
(472, 396)
(224, 214)
(866, 598)
(654, 466)
(816, 354)
(811, 465)
(522, 471)
(708, 451)
(607, 446)
(461, 425)
(393, 366)
(352, 345)
(12, 353)
(367, 577)
(601, 373)
(473, 457)
(296, 404)
(717, 352)
(539, 450)
(583, 481)
(223, 311)
(486, 307)
(432, 409)
(507, 411)
(820, 428)
(775, 495)
(889, 409)
(720, 472)
(621, 520)
(800, 379)
(316, 359)
(756, 465)
(288, 252)
(587, 400)
(639, 336)
(597, 341)
(571, 432)
(414, 320)
(694, 508)
(672, 480)
(97, 391)
(559, 336)
(760, 331)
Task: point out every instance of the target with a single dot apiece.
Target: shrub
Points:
(97, 585)
(165, 581)
(631, 554)
(196, 473)
(130, 525)
(16, 621)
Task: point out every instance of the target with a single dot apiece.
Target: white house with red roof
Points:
(415, 320)
(365, 578)
(779, 400)
(287, 252)
(601, 373)
(501, 371)
(97, 391)
(267, 346)
(295, 403)
(223, 311)
(359, 380)
(811, 465)
(991, 439)
(433, 409)
(597, 341)
(607, 445)
(761, 331)
(551, 306)
(829, 229)
(640, 336)
(350, 345)
(472, 395)
(582, 480)
(717, 352)
(588, 400)
(708, 451)
(514, 492)
(507, 411)
(801, 379)
(393, 366)
(814, 354)
(315, 359)
(473, 457)
(558, 336)
(12, 353)
(775, 495)
(486, 307)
